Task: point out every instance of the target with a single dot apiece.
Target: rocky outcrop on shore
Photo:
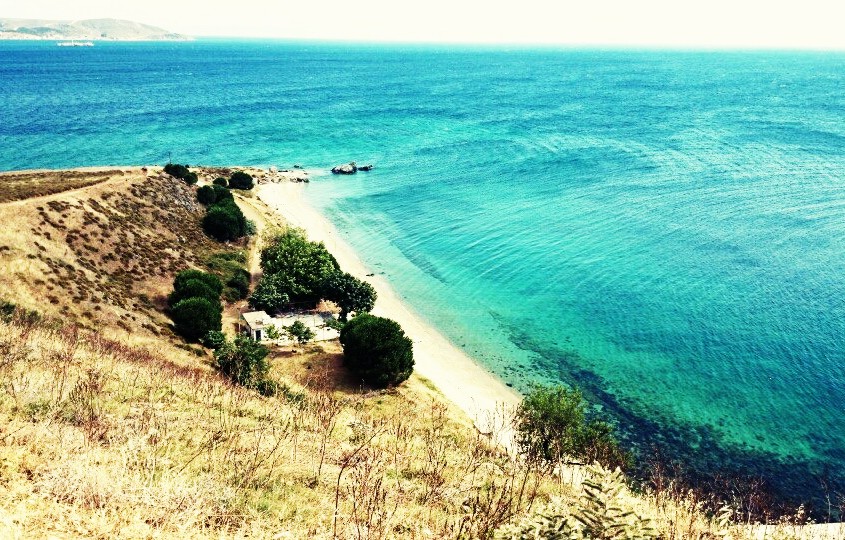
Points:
(347, 168)
(350, 168)
(274, 176)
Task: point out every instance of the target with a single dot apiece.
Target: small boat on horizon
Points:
(74, 43)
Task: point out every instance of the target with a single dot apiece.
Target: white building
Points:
(258, 322)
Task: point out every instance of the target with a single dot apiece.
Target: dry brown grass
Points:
(100, 439)
(16, 186)
(104, 256)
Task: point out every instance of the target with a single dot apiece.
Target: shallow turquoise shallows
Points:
(664, 229)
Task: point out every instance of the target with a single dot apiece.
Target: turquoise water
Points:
(662, 228)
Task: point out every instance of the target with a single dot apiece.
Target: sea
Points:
(663, 229)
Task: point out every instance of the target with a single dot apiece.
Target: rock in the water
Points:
(366, 167)
(348, 168)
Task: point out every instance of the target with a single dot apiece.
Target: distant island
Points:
(91, 29)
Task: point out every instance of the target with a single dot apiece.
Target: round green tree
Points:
(220, 181)
(180, 282)
(193, 288)
(240, 180)
(377, 350)
(224, 222)
(194, 318)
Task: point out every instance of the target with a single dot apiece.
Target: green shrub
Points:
(240, 180)
(249, 228)
(182, 278)
(221, 182)
(177, 171)
(7, 311)
(377, 350)
(552, 426)
(224, 221)
(194, 318)
(334, 324)
(214, 339)
(244, 361)
(238, 256)
(181, 171)
(225, 263)
(206, 195)
(193, 288)
(240, 282)
(221, 193)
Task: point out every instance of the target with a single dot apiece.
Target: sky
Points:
(783, 24)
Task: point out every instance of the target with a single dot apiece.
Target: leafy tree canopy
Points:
(304, 266)
(181, 280)
(272, 293)
(193, 288)
(350, 293)
(224, 221)
(222, 193)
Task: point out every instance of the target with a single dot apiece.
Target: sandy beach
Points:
(478, 393)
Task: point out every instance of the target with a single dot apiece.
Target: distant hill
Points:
(91, 29)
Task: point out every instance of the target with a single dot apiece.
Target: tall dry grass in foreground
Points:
(104, 440)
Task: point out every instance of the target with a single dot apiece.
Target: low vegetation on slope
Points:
(105, 256)
(24, 185)
(104, 439)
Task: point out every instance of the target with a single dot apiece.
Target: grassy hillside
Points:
(110, 427)
(103, 256)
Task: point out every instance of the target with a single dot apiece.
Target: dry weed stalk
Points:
(325, 409)
(437, 444)
(372, 509)
(362, 438)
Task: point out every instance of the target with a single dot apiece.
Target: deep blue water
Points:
(664, 229)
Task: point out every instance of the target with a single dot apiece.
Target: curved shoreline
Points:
(479, 393)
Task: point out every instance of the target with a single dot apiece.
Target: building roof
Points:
(256, 319)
